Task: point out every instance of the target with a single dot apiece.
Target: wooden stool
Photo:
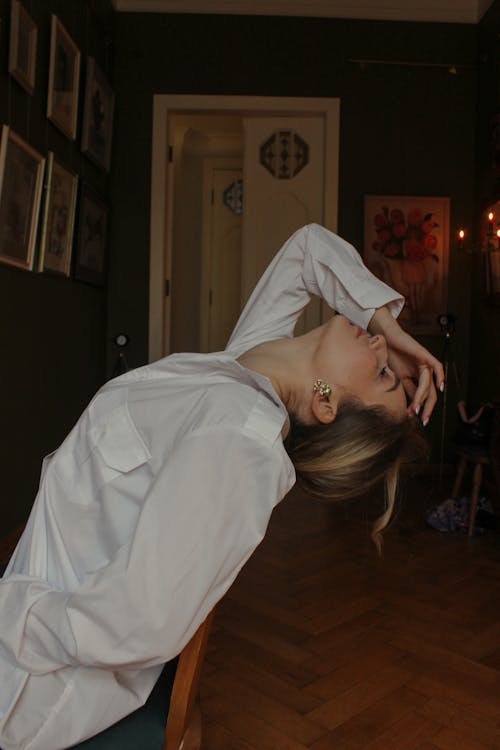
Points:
(479, 457)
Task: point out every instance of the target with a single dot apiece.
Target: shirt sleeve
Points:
(313, 261)
(206, 512)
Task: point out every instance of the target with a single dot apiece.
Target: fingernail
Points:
(425, 422)
(441, 387)
(417, 409)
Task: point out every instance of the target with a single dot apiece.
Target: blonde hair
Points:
(363, 446)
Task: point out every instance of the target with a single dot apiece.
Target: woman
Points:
(165, 486)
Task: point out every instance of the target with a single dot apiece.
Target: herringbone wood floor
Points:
(321, 645)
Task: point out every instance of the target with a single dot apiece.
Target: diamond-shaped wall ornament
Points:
(284, 154)
(232, 197)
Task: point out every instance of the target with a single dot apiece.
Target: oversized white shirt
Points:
(151, 506)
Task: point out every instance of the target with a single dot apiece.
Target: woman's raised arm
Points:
(313, 261)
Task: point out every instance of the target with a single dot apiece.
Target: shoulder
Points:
(239, 408)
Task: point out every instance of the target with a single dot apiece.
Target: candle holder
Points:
(488, 248)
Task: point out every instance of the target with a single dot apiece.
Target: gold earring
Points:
(324, 390)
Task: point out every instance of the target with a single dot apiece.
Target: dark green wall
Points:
(484, 379)
(52, 330)
(405, 129)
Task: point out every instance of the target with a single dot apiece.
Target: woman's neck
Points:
(289, 365)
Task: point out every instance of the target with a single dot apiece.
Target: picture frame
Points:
(406, 245)
(98, 112)
(90, 263)
(56, 241)
(64, 79)
(22, 47)
(21, 183)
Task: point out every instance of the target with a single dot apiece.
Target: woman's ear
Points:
(325, 409)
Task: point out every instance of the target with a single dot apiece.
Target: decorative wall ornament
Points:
(58, 218)
(92, 234)
(64, 78)
(22, 50)
(284, 154)
(232, 197)
(21, 181)
(98, 113)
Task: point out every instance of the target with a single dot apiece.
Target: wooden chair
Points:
(184, 717)
(480, 457)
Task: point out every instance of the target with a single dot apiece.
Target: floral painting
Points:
(406, 245)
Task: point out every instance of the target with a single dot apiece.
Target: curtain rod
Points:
(450, 67)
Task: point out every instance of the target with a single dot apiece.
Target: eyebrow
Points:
(397, 383)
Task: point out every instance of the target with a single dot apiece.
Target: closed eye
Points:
(397, 383)
(386, 373)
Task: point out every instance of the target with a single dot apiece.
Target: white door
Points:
(284, 181)
(221, 253)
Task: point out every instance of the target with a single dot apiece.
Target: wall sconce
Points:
(488, 248)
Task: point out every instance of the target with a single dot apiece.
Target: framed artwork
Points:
(22, 47)
(98, 110)
(91, 245)
(406, 244)
(64, 77)
(21, 181)
(58, 218)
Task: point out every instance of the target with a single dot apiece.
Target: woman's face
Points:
(353, 360)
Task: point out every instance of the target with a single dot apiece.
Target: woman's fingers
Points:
(429, 405)
(423, 364)
(438, 370)
(425, 397)
(403, 342)
(410, 387)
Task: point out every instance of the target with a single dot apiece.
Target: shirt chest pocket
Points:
(96, 456)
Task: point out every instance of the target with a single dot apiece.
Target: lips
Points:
(358, 331)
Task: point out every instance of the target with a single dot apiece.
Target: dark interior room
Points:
(320, 643)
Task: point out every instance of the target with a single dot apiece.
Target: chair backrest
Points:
(183, 725)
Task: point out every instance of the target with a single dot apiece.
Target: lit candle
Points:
(491, 217)
(461, 238)
(498, 238)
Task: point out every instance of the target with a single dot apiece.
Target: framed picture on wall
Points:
(22, 47)
(21, 181)
(64, 77)
(90, 264)
(58, 218)
(98, 110)
(406, 244)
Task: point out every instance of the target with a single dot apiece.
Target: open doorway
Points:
(207, 161)
(207, 151)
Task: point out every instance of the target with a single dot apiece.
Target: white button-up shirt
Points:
(150, 507)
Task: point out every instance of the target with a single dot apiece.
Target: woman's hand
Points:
(419, 371)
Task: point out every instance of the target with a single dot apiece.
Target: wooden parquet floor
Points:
(321, 645)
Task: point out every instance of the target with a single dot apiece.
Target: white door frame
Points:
(209, 164)
(162, 181)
